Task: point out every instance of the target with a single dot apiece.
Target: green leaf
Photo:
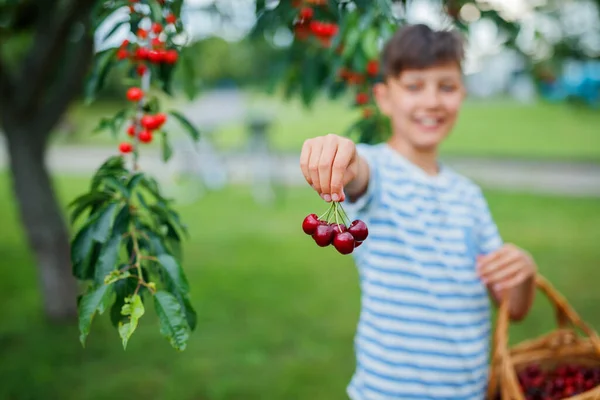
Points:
(122, 220)
(369, 44)
(188, 74)
(88, 305)
(115, 183)
(134, 309)
(123, 289)
(95, 83)
(173, 324)
(309, 80)
(175, 272)
(87, 200)
(109, 258)
(155, 11)
(115, 28)
(104, 223)
(167, 150)
(81, 247)
(186, 124)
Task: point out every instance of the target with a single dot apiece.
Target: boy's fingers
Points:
(304, 158)
(502, 274)
(325, 162)
(342, 159)
(500, 262)
(313, 166)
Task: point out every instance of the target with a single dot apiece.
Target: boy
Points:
(433, 252)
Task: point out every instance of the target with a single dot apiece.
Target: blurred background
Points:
(276, 314)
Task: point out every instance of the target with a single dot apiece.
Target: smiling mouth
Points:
(429, 122)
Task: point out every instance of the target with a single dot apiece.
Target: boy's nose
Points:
(431, 99)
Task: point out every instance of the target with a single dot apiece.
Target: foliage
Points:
(345, 58)
(127, 246)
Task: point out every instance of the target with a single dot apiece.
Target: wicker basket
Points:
(561, 346)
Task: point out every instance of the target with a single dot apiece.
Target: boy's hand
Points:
(506, 268)
(329, 163)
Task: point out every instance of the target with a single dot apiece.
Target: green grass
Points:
(498, 128)
(276, 314)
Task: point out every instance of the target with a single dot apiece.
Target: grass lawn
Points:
(276, 313)
(498, 128)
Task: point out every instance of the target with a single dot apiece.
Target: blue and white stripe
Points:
(424, 325)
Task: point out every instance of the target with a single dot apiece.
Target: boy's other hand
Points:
(329, 163)
(506, 268)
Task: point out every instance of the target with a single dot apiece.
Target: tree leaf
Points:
(109, 257)
(173, 324)
(167, 150)
(175, 272)
(103, 65)
(186, 124)
(123, 289)
(88, 305)
(85, 201)
(134, 309)
(81, 248)
(104, 223)
(115, 28)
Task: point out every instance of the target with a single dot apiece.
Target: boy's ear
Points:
(382, 98)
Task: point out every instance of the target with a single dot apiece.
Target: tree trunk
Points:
(42, 219)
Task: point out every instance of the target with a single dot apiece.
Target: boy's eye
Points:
(412, 87)
(448, 88)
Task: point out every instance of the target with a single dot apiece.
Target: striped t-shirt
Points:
(424, 325)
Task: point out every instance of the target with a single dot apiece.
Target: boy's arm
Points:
(359, 185)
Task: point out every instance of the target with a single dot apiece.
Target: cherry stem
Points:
(344, 215)
(336, 216)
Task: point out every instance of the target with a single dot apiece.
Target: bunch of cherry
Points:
(148, 123)
(562, 382)
(332, 228)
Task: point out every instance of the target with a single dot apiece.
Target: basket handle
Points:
(564, 314)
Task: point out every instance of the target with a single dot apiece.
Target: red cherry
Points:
(148, 122)
(125, 43)
(135, 94)
(338, 228)
(156, 42)
(125, 147)
(171, 19)
(155, 56)
(131, 130)
(141, 69)
(357, 243)
(589, 384)
(145, 136)
(122, 54)
(569, 391)
(306, 13)
(362, 98)
(157, 28)
(160, 119)
(373, 67)
(359, 230)
(323, 235)
(310, 223)
(344, 242)
(170, 56)
(142, 33)
(141, 53)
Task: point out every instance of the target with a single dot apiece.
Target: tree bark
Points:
(44, 225)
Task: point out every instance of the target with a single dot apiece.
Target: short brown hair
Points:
(417, 47)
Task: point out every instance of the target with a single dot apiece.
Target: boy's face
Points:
(422, 104)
